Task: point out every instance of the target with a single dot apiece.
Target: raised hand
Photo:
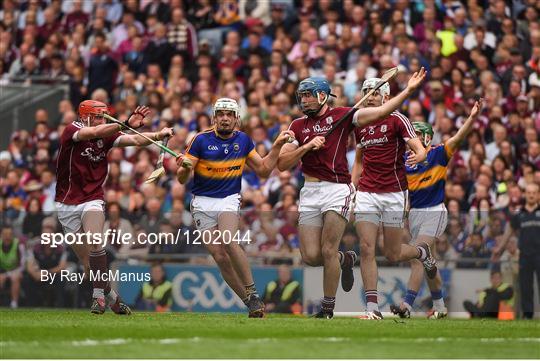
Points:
(416, 80)
(477, 108)
(137, 117)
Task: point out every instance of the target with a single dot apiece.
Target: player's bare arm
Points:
(291, 153)
(99, 131)
(357, 167)
(418, 152)
(128, 140)
(264, 166)
(365, 116)
(454, 142)
(184, 168)
(102, 130)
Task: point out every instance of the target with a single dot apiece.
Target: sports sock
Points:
(98, 262)
(251, 290)
(408, 301)
(371, 300)
(328, 304)
(422, 254)
(111, 296)
(438, 300)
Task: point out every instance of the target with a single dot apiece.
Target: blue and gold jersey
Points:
(220, 163)
(427, 180)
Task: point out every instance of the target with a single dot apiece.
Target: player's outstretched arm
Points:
(99, 131)
(128, 140)
(454, 142)
(264, 166)
(184, 172)
(364, 116)
(291, 153)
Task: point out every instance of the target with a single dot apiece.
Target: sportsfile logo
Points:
(119, 237)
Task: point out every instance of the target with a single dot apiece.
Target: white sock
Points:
(372, 306)
(98, 293)
(13, 304)
(438, 304)
(423, 254)
(111, 297)
(407, 306)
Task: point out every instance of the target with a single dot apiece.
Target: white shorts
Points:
(70, 216)
(206, 210)
(316, 198)
(430, 221)
(388, 208)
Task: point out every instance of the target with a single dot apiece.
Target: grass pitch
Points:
(78, 334)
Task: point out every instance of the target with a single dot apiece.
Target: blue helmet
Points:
(316, 86)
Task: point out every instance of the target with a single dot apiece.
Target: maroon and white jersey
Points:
(81, 167)
(330, 162)
(383, 145)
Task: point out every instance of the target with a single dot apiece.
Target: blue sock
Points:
(410, 297)
(435, 295)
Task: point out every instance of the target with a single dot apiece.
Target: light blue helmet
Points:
(318, 87)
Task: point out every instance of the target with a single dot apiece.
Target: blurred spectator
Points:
(159, 9)
(12, 261)
(156, 295)
(490, 298)
(283, 295)
(527, 221)
(102, 69)
(118, 227)
(152, 216)
(33, 218)
(446, 255)
(159, 50)
(475, 253)
(14, 196)
(75, 16)
(182, 35)
(44, 257)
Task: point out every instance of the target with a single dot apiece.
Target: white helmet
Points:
(371, 82)
(227, 104)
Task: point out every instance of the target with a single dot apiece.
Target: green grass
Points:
(78, 334)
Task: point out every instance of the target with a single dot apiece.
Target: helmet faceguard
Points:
(426, 132)
(319, 88)
(226, 104)
(370, 83)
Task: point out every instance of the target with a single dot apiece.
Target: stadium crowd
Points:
(178, 56)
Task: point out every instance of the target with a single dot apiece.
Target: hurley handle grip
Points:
(162, 153)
